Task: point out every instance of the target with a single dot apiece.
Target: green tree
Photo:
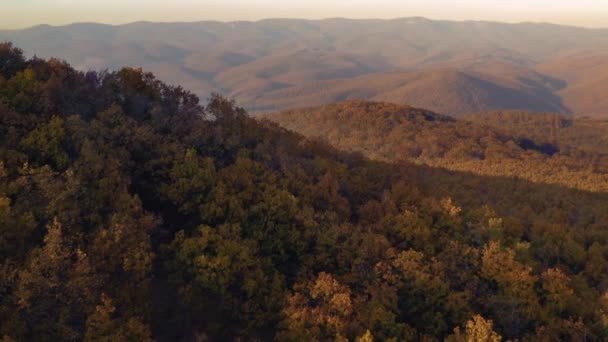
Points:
(45, 143)
(191, 180)
(11, 60)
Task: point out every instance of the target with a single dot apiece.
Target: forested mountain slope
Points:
(130, 212)
(575, 133)
(391, 132)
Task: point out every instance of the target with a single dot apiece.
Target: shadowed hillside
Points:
(575, 133)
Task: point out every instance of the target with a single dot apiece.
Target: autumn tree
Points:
(320, 310)
(476, 330)
(103, 325)
(55, 289)
(513, 303)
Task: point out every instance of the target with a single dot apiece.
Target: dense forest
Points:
(543, 148)
(129, 211)
(587, 135)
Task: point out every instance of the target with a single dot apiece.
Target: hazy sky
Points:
(24, 13)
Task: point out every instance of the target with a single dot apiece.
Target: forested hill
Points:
(543, 148)
(131, 212)
(581, 133)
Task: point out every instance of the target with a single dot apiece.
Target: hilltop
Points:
(495, 144)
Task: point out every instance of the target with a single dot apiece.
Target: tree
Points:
(422, 293)
(215, 270)
(367, 337)
(319, 310)
(557, 291)
(55, 289)
(514, 304)
(11, 60)
(123, 253)
(45, 143)
(103, 325)
(476, 330)
(191, 180)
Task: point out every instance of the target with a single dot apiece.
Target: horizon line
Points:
(300, 19)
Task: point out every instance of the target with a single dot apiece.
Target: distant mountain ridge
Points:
(448, 91)
(447, 66)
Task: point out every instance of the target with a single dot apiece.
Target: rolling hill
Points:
(577, 133)
(449, 67)
(492, 147)
(587, 79)
(447, 91)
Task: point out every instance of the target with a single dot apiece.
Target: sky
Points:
(26, 13)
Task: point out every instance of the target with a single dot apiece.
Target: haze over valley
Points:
(446, 66)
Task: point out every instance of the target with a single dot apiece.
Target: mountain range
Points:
(448, 67)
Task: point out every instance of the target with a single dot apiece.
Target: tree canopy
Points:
(129, 211)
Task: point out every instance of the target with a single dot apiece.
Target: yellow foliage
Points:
(367, 337)
(450, 208)
(500, 265)
(324, 305)
(557, 287)
(480, 330)
(477, 330)
(604, 310)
